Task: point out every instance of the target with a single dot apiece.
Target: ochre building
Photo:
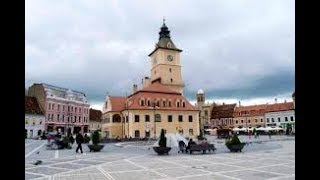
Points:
(159, 104)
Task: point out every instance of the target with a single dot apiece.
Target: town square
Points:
(205, 91)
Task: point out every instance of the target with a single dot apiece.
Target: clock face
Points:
(170, 58)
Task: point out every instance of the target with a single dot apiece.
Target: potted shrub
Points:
(86, 139)
(200, 137)
(162, 148)
(66, 142)
(234, 145)
(96, 139)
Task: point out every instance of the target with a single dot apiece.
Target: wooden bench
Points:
(202, 147)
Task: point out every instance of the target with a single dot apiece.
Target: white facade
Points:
(280, 118)
(33, 124)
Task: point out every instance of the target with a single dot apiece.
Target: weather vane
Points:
(164, 20)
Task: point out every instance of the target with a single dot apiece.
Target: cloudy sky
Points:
(232, 49)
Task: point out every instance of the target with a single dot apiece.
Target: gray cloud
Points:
(240, 49)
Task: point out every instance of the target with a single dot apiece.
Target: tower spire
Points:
(164, 20)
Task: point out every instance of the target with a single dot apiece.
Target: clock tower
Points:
(165, 62)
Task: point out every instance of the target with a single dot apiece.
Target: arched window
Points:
(148, 102)
(142, 102)
(116, 118)
(178, 104)
(171, 80)
(169, 103)
(164, 103)
(183, 104)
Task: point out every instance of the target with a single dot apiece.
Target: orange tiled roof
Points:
(117, 103)
(280, 107)
(222, 111)
(155, 91)
(31, 106)
(157, 87)
(254, 110)
(95, 115)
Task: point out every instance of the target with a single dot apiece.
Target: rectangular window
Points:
(63, 108)
(48, 117)
(58, 117)
(169, 118)
(190, 118)
(58, 107)
(272, 119)
(261, 120)
(180, 118)
(63, 118)
(267, 119)
(279, 119)
(191, 132)
(49, 106)
(256, 120)
(291, 118)
(206, 112)
(249, 121)
(52, 106)
(71, 108)
(163, 103)
(75, 118)
(169, 103)
(147, 118)
(68, 108)
(136, 118)
(79, 118)
(286, 118)
(75, 109)
(79, 109)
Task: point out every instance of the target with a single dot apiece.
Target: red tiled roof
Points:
(254, 110)
(117, 103)
(157, 87)
(280, 107)
(222, 111)
(95, 115)
(31, 106)
(155, 91)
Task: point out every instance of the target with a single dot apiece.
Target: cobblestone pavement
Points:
(262, 160)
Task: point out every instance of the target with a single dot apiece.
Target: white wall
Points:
(33, 128)
(281, 115)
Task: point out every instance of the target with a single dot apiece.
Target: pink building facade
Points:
(64, 109)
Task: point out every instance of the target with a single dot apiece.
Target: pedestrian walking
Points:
(79, 140)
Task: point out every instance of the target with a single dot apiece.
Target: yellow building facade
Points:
(159, 104)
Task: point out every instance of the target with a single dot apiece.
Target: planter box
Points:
(162, 150)
(235, 147)
(95, 148)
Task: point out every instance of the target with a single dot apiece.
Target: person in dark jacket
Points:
(79, 140)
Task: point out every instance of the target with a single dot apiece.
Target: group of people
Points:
(57, 140)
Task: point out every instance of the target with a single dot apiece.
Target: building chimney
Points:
(135, 88)
(239, 103)
(146, 82)
(223, 103)
(285, 101)
(275, 100)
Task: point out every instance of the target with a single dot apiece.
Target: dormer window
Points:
(178, 104)
(183, 104)
(148, 103)
(168, 45)
(169, 103)
(163, 103)
(142, 102)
